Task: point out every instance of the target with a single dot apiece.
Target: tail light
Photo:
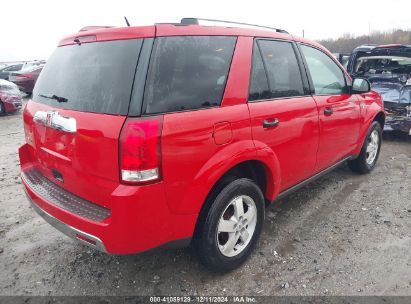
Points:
(23, 76)
(140, 150)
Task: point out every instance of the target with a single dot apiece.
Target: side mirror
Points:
(360, 86)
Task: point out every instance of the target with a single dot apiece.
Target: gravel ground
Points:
(344, 234)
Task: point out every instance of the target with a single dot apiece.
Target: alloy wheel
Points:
(372, 147)
(236, 226)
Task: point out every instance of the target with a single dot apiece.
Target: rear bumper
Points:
(72, 232)
(398, 123)
(139, 218)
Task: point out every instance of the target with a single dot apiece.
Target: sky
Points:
(31, 29)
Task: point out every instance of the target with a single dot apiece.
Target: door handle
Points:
(328, 111)
(270, 123)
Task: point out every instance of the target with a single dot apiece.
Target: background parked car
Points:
(5, 71)
(26, 79)
(388, 69)
(34, 63)
(10, 97)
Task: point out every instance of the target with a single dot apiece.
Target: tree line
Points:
(348, 42)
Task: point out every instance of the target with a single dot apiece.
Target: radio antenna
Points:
(128, 23)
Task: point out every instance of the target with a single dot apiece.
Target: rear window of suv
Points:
(93, 77)
(187, 72)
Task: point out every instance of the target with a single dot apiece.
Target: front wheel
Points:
(370, 151)
(228, 232)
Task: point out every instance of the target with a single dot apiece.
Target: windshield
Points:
(383, 65)
(31, 68)
(91, 77)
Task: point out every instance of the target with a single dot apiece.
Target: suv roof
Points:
(187, 27)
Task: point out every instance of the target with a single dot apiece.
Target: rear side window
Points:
(282, 68)
(327, 77)
(187, 72)
(93, 77)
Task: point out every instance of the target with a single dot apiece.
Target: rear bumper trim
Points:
(56, 195)
(67, 229)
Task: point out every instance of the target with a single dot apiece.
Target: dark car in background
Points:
(6, 70)
(388, 69)
(10, 97)
(26, 79)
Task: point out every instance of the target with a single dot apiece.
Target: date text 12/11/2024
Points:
(203, 299)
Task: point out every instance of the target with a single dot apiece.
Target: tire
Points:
(2, 109)
(222, 251)
(366, 160)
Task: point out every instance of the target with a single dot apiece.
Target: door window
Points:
(283, 72)
(188, 72)
(327, 77)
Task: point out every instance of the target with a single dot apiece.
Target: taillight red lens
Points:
(24, 76)
(140, 150)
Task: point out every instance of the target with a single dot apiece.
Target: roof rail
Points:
(196, 21)
(94, 27)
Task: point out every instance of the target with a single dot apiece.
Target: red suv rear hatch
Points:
(74, 121)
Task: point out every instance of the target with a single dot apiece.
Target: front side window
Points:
(187, 72)
(327, 77)
(282, 68)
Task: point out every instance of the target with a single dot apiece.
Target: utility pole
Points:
(369, 32)
(303, 33)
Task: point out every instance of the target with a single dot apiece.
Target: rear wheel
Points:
(228, 232)
(370, 151)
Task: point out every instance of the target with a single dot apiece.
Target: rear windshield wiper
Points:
(55, 97)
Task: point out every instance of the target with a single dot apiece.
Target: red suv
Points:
(172, 134)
